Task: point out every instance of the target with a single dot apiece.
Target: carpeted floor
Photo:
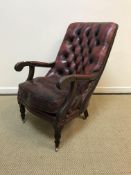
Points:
(99, 145)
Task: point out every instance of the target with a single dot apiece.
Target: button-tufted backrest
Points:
(85, 48)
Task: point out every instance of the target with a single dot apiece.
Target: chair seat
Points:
(42, 93)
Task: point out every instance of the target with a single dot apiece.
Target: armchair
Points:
(64, 92)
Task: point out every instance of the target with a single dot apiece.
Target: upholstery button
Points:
(96, 32)
(97, 42)
(90, 60)
(71, 70)
(73, 48)
(70, 39)
(81, 50)
(89, 51)
(88, 32)
(78, 32)
(88, 42)
(65, 54)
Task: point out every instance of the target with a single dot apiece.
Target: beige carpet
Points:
(99, 145)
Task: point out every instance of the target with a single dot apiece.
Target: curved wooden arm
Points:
(72, 78)
(20, 65)
(32, 64)
(61, 114)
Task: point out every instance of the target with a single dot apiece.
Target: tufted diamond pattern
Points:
(84, 48)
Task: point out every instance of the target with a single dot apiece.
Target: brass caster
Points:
(56, 149)
(83, 116)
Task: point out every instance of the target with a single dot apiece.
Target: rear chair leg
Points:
(85, 115)
(22, 111)
(57, 136)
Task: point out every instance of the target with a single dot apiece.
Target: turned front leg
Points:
(85, 115)
(57, 136)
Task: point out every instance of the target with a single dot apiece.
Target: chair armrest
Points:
(73, 78)
(32, 64)
(20, 65)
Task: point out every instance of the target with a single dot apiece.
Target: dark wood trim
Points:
(31, 64)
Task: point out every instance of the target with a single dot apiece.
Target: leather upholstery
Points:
(84, 50)
(65, 91)
(43, 94)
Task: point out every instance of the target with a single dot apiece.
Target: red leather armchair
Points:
(64, 92)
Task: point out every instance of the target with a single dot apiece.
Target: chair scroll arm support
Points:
(61, 114)
(72, 79)
(32, 64)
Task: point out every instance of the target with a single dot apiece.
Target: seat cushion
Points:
(42, 94)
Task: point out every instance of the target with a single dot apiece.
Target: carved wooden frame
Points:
(61, 114)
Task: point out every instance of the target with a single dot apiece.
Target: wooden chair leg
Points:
(22, 111)
(57, 136)
(85, 115)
